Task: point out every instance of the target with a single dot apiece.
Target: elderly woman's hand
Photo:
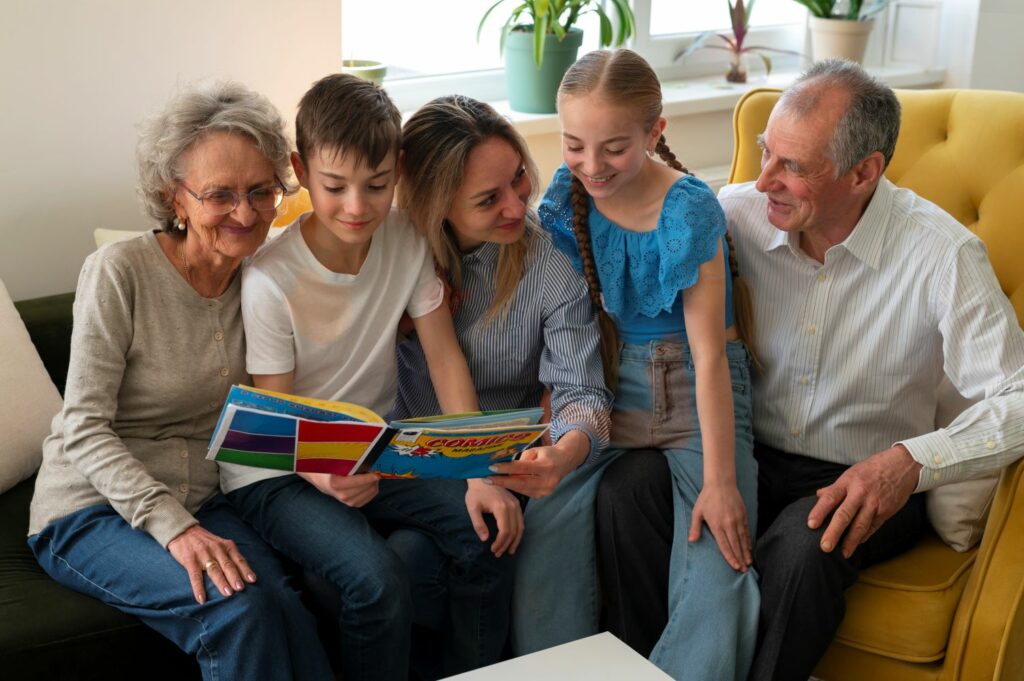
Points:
(200, 551)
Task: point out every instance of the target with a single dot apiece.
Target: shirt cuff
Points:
(937, 455)
(167, 520)
(593, 453)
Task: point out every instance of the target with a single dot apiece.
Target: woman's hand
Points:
(508, 514)
(538, 471)
(722, 508)
(200, 551)
(351, 490)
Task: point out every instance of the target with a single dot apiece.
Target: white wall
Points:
(998, 61)
(77, 77)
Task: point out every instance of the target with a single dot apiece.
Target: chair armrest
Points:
(987, 637)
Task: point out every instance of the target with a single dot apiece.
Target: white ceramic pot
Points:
(367, 69)
(839, 38)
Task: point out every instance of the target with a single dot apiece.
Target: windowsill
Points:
(713, 93)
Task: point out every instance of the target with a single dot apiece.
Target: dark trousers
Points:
(802, 601)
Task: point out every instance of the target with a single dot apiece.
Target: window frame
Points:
(659, 51)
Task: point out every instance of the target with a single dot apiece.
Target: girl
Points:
(523, 318)
(650, 241)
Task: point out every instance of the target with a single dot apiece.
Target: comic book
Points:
(291, 433)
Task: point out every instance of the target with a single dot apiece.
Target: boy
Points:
(321, 306)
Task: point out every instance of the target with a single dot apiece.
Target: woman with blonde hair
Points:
(522, 315)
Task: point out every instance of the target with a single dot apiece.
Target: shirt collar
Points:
(484, 254)
(867, 239)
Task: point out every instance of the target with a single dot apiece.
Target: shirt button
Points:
(219, 336)
(214, 404)
(812, 329)
(936, 476)
(183, 488)
(990, 444)
(820, 277)
(937, 459)
(804, 380)
(224, 371)
(183, 453)
(795, 432)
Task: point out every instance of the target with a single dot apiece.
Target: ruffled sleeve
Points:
(643, 272)
(555, 212)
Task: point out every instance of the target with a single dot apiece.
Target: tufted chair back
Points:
(960, 149)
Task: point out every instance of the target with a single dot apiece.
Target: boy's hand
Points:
(722, 508)
(539, 470)
(351, 490)
(508, 514)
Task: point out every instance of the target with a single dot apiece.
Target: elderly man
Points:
(865, 296)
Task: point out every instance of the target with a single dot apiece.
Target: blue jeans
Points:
(713, 610)
(261, 632)
(375, 606)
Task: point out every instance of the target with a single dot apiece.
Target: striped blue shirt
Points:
(548, 337)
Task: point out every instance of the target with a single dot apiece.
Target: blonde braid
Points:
(742, 299)
(609, 334)
(668, 157)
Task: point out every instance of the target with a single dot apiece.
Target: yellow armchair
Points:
(933, 613)
(292, 207)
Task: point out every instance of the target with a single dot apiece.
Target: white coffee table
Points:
(595, 658)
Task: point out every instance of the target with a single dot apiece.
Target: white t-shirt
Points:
(336, 331)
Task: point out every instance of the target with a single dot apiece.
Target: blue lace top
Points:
(643, 274)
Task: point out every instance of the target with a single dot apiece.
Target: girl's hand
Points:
(351, 490)
(508, 514)
(538, 471)
(200, 551)
(722, 508)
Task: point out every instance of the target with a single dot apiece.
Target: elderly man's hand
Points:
(864, 497)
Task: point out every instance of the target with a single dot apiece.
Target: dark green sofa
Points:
(46, 631)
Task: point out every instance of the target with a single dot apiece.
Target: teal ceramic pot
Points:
(530, 89)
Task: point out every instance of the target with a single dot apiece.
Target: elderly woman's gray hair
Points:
(189, 117)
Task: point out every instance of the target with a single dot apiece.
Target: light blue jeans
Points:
(713, 609)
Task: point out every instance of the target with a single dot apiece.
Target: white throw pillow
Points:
(958, 511)
(102, 237)
(28, 398)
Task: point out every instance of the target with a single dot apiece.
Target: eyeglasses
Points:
(223, 201)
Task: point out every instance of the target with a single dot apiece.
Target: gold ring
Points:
(208, 564)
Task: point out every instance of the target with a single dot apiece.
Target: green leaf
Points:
(606, 27)
(697, 43)
(483, 20)
(540, 30)
(767, 62)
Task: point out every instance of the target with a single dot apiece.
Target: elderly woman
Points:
(126, 506)
(525, 323)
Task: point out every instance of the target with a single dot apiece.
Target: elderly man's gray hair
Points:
(871, 121)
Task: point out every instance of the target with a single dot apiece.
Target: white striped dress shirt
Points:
(855, 348)
(549, 337)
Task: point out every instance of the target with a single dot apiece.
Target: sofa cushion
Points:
(50, 632)
(28, 398)
(903, 608)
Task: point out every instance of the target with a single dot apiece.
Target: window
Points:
(431, 48)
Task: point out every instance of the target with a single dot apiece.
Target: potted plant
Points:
(840, 28)
(739, 15)
(540, 39)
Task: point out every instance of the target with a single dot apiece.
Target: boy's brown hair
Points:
(342, 114)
